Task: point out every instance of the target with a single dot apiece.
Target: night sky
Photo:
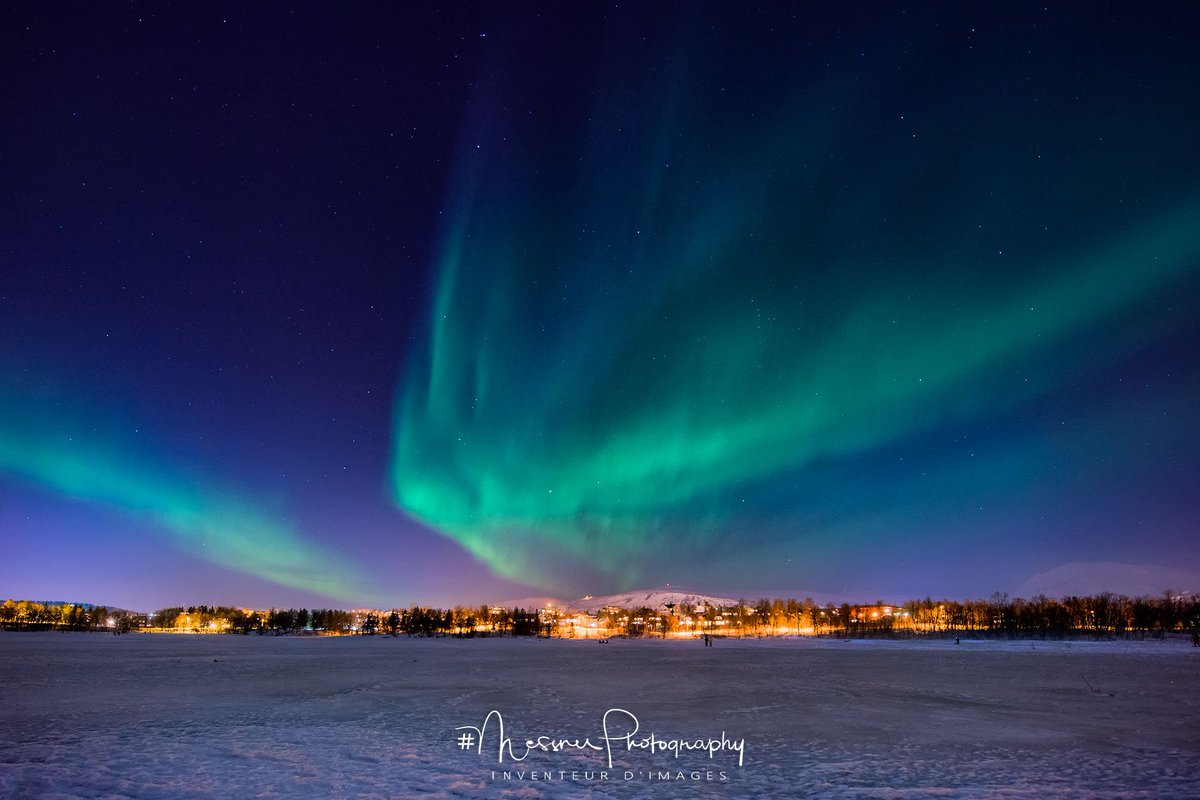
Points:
(344, 305)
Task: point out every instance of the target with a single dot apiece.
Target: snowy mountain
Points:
(650, 598)
(1087, 578)
(660, 596)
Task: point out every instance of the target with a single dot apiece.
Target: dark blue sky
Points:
(322, 305)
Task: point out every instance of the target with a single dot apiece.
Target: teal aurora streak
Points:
(650, 326)
(211, 523)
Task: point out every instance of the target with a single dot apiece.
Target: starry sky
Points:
(381, 304)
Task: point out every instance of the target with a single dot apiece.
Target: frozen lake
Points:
(162, 716)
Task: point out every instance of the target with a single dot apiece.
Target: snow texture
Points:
(191, 717)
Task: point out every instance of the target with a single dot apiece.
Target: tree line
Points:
(1100, 616)
(32, 615)
(414, 621)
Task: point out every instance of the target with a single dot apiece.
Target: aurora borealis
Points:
(68, 458)
(630, 428)
(637, 360)
(445, 305)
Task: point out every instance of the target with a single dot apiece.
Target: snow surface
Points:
(176, 716)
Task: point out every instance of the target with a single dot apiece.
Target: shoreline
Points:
(1170, 643)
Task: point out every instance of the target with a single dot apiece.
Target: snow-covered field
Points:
(159, 716)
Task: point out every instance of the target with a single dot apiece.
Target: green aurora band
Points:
(694, 310)
(70, 458)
